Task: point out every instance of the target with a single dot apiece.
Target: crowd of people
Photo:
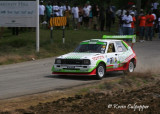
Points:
(87, 15)
(101, 18)
(148, 22)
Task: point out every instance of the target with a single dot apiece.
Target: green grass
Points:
(22, 47)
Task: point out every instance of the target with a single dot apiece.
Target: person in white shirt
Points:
(154, 22)
(127, 20)
(86, 11)
(159, 26)
(120, 12)
(41, 12)
(61, 9)
(75, 13)
(55, 10)
(67, 11)
(155, 5)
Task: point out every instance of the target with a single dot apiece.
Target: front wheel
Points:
(130, 68)
(100, 71)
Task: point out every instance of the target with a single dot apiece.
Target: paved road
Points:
(35, 76)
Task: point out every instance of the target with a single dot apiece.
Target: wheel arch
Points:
(134, 61)
(101, 62)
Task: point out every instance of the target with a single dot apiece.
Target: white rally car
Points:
(98, 56)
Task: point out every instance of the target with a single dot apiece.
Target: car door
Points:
(121, 52)
(112, 57)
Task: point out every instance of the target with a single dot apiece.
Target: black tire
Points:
(130, 69)
(100, 71)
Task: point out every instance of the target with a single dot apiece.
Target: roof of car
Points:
(99, 40)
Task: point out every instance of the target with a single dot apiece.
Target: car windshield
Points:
(91, 48)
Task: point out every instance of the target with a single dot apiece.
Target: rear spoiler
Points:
(133, 37)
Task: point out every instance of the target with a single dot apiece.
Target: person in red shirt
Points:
(142, 23)
(133, 23)
(149, 26)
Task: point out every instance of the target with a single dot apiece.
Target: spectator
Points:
(159, 26)
(80, 19)
(41, 12)
(120, 14)
(133, 23)
(95, 12)
(75, 12)
(149, 26)
(142, 22)
(155, 5)
(61, 9)
(90, 13)
(86, 11)
(133, 9)
(154, 22)
(109, 12)
(102, 18)
(48, 11)
(127, 20)
(113, 14)
(67, 11)
(55, 9)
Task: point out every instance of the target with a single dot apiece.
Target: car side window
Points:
(111, 48)
(120, 47)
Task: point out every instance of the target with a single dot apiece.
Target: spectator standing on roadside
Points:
(109, 12)
(67, 11)
(75, 12)
(149, 26)
(95, 12)
(142, 23)
(120, 13)
(155, 5)
(55, 9)
(159, 26)
(133, 23)
(154, 22)
(86, 11)
(127, 20)
(102, 18)
(41, 12)
(113, 14)
(48, 11)
(61, 9)
(80, 19)
(90, 13)
(133, 9)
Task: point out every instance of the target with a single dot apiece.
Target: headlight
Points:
(86, 62)
(58, 61)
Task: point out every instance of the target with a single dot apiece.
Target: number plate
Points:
(71, 67)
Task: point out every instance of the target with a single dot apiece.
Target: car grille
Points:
(72, 61)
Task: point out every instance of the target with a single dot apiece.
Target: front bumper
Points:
(73, 70)
(77, 73)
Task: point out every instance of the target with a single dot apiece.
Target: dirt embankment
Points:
(138, 93)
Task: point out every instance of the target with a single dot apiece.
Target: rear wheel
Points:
(130, 67)
(100, 71)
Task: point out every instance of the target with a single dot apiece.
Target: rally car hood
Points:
(79, 55)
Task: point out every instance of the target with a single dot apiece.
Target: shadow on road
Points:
(84, 78)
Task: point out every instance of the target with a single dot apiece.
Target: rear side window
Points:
(120, 47)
